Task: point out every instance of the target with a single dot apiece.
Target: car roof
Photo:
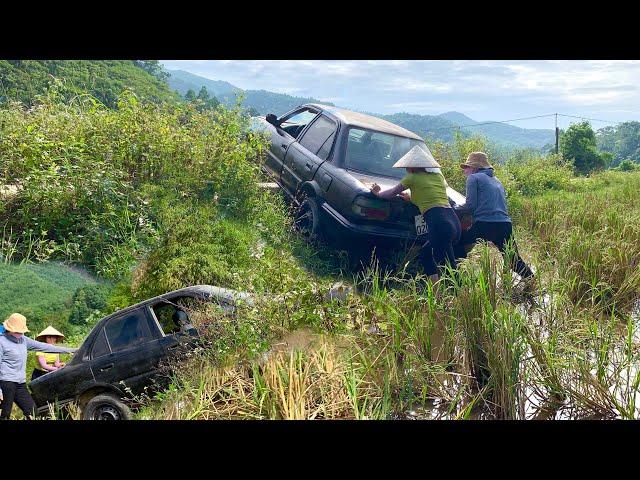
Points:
(363, 120)
(224, 295)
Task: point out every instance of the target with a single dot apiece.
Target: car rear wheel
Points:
(307, 219)
(106, 407)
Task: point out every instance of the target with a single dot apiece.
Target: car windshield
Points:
(375, 152)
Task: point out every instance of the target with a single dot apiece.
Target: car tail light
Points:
(374, 208)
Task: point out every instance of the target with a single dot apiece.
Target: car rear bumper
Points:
(372, 232)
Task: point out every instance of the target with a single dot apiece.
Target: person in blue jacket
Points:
(486, 202)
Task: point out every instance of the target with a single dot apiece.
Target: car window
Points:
(317, 134)
(376, 152)
(165, 312)
(325, 150)
(128, 331)
(100, 345)
(295, 123)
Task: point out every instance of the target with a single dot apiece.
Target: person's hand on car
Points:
(405, 196)
(375, 189)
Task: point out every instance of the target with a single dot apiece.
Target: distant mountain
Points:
(436, 127)
(428, 126)
(508, 135)
(261, 101)
(268, 102)
(182, 81)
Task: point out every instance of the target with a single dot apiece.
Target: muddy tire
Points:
(106, 407)
(307, 220)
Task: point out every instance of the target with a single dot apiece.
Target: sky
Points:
(483, 90)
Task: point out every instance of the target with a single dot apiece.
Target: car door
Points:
(282, 137)
(306, 155)
(127, 350)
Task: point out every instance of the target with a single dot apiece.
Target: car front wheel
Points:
(106, 407)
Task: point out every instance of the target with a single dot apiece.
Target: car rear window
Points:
(376, 152)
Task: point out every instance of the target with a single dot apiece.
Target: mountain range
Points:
(440, 127)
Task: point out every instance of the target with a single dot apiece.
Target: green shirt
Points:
(427, 190)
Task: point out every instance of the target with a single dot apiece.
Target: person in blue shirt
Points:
(487, 204)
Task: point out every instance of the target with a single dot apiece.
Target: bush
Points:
(536, 175)
(93, 180)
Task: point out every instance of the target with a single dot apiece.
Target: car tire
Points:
(106, 407)
(307, 219)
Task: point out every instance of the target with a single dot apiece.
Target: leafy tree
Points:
(86, 302)
(154, 68)
(578, 144)
(622, 141)
(628, 141)
(203, 94)
(190, 96)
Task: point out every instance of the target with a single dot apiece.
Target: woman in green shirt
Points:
(429, 194)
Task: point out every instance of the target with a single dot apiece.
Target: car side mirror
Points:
(273, 120)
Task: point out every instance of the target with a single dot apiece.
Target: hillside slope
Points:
(182, 81)
(23, 80)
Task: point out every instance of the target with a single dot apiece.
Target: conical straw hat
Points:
(16, 323)
(417, 158)
(49, 332)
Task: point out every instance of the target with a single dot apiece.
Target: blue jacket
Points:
(486, 198)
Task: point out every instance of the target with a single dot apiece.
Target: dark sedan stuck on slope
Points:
(122, 355)
(326, 159)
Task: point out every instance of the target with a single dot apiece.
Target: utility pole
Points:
(557, 133)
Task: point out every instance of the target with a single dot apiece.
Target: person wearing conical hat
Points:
(429, 193)
(487, 203)
(47, 362)
(13, 365)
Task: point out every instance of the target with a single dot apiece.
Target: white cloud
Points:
(491, 90)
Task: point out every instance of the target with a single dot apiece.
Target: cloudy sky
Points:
(482, 90)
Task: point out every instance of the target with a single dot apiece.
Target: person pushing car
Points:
(429, 193)
(13, 365)
(486, 201)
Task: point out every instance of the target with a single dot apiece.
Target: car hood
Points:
(366, 180)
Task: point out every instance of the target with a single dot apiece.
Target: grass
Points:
(475, 349)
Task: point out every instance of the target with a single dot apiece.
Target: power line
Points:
(506, 121)
(458, 127)
(587, 118)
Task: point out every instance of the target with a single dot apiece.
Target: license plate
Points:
(421, 226)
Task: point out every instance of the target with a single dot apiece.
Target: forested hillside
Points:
(182, 82)
(508, 135)
(105, 80)
(622, 141)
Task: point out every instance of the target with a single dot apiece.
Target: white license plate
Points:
(421, 226)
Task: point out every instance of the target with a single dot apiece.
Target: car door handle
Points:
(284, 146)
(106, 367)
(308, 166)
